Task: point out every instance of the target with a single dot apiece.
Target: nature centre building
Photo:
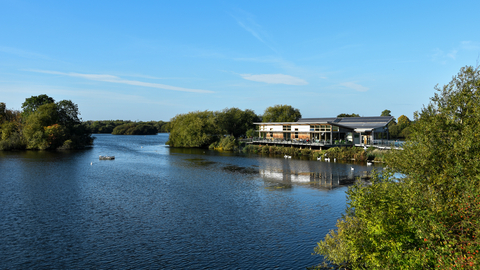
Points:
(329, 132)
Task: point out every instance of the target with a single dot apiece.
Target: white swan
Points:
(351, 168)
(334, 159)
(369, 163)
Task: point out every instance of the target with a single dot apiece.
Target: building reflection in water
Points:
(316, 174)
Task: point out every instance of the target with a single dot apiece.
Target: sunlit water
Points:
(155, 207)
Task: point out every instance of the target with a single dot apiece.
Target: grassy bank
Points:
(229, 143)
(339, 153)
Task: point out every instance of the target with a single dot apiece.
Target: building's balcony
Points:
(298, 142)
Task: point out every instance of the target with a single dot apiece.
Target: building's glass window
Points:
(296, 135)
(315, 128)
(335, 128)
(325, 128)
(287, 127)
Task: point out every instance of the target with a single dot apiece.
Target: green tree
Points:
(68, 113)
(281, 113)
(236, 122)
(348, 115)
(386, 113)
(31, 104)
(403, 120)
(3, 111)
(194, 129)
(34, 128)
(430, 217)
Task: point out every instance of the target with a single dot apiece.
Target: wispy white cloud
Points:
(354, 86)
(274, 79)
(442, 57)
(439, 56)
(470, 45)
(248, 23)
(115, 79)
(22, 53)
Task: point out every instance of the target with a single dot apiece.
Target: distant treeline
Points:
(122, 127)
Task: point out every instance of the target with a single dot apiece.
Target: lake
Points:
(156, 207)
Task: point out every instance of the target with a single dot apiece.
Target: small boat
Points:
(106, 157)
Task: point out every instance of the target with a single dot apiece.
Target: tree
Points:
(386, 113)
(281, 113)
(3, 110)
(42, 125)
(403, 120)
(35, 124)
(68, 113)
(31, 104)
(430, 217)
(348, 115)
(236, 122)
(194, 129)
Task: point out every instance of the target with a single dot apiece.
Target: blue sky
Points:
(151, 60)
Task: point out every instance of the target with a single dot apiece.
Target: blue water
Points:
(156, 207)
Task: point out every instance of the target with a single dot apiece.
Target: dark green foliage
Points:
(227, 143)
(135, 129)
(236, 122)
(107, 126)
(201, 129)
(430, 218)
(348, 115)
(43, 125)
(251, 133)
(194, 129)
(68, 113)
(281, 113)
(400, 129)
(33, 103)
(386, 113)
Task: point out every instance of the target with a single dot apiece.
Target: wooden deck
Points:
(380, 144)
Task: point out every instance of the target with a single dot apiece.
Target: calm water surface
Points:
(155, 207)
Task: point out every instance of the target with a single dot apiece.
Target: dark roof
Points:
(363, 123)
(317, 120)
(366, 122)
(369, 122)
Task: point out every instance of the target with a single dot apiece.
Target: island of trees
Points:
(121, 127)
(43, 124)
